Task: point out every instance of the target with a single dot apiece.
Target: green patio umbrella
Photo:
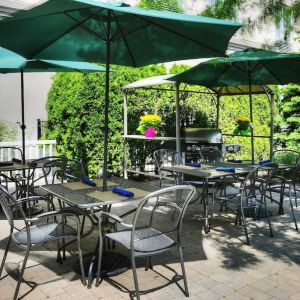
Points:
(245, 68)
(112, 34)
(11, 62)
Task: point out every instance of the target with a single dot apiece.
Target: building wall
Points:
(36, 87)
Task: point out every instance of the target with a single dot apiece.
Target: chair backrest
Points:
(286, 156)
(9, 206)
(10, 152)
(211, 154)
(166, 158)
(45, 170)
(161, 212)
(74, 170)
(255, 184)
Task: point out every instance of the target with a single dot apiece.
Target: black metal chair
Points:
(285, 189)
(211, 154)
(249, 199)
(8, 155)
(292, 159)
(156, 228)
(166, 158)
(37, 231)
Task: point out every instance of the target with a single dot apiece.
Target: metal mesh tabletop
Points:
(83, 198)
(205, 171)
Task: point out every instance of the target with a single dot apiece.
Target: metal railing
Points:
(34, 149)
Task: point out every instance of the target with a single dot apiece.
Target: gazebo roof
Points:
(221, 91)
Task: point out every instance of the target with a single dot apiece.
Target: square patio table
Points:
(86, 197)
(206, 172)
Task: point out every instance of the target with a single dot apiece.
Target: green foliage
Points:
(169, 5)
(223, 9)
(270, 11)
(289, 108)
(7, 133)
(75, 115)
(231, 108)
(176, 69)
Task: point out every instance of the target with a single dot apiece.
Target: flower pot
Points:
(150, 133)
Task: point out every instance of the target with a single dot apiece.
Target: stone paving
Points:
(219, 265)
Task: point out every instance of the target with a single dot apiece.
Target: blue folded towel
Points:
(226, 169)
(264, 162)
(16, 160)
(236, 161)
(88, 181)
(191, 164)
(122, 192)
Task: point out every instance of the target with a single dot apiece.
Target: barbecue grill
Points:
(193, 139)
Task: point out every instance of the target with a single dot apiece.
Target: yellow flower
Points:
(242, 119)
(148, 118)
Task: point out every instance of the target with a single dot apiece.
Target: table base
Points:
(113, 264)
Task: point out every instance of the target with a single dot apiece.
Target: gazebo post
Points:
(218, 111)
(251, 114)
(177, 85)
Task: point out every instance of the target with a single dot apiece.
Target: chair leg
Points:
(100, 251)
(269, 221)
(186, 291)
(83, 278)
(136, 285)
(5, 253)
(292, 209)
(21, 273)
(148, 264)
(295, 194)
(245, 226)
(82, 225)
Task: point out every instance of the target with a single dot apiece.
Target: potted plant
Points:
(149, 125)
(242, 125)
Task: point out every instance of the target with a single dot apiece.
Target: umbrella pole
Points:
(106, 104)
(23, 126)
(271, 124)
(177, 119)
(251, 115)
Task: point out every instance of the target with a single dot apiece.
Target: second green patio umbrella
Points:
(248, 67)
(113, 34)
(11, 62)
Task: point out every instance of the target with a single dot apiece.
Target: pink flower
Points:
(150, 132)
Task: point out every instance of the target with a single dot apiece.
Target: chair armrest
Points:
(33, 198)
(116, 218)
(53, 213)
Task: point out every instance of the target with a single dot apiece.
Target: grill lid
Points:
(202, 135)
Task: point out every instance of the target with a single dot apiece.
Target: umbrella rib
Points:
(272, 73)
(219, 75)
(181, 35)
(125, 41)
(78, 23)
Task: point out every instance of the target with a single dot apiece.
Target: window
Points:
(281, 32)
